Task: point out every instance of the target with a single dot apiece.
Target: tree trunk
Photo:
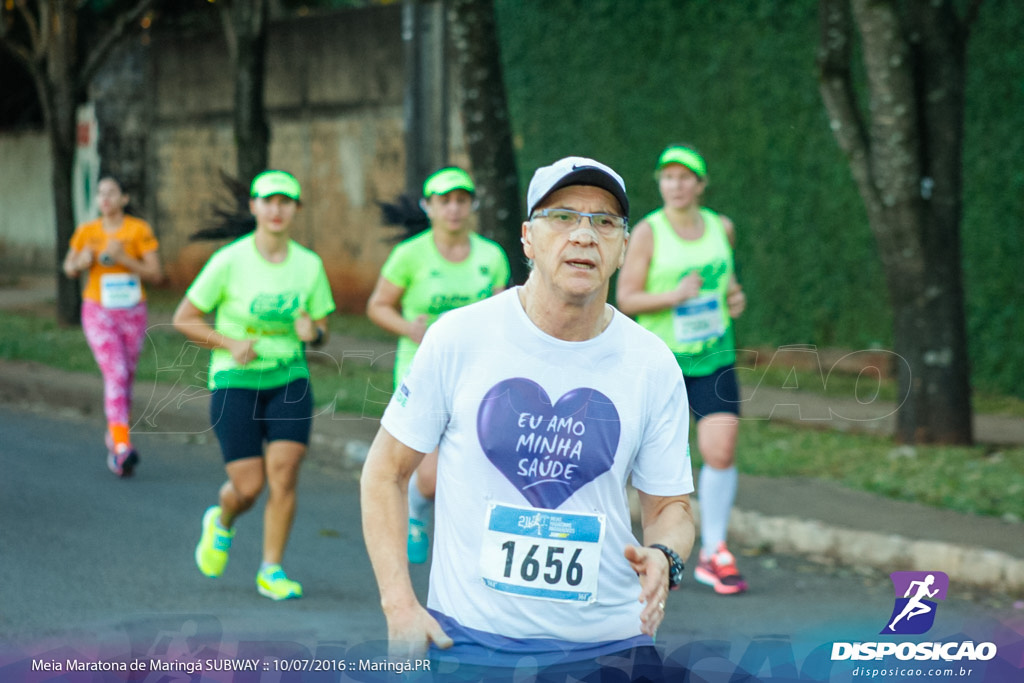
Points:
(906, 162)
(488, 131)
(50, 53)
(61, 95)
(245, 24)
(426, 115)
(939, 48)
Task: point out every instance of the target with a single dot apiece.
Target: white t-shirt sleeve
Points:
(419, 409)
(662, 466)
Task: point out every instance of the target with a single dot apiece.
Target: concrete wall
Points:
(334, 100)
(27, 227)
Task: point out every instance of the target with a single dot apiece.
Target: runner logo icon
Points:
(914, 610)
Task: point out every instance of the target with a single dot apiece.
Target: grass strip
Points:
(977, 479)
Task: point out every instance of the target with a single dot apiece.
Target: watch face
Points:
(675, 565)
(676, 574)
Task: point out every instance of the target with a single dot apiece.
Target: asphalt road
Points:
(102, 568)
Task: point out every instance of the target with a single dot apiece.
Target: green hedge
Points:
(993, 228)
(620, 80)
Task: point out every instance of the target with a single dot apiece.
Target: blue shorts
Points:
(245, 419)
(718, 392)
(641, 663)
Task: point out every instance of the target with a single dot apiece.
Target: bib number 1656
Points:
(530, 567)
(543, 554)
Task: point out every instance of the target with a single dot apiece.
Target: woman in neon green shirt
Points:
(444, 267)
(271, 298)
(678, 280)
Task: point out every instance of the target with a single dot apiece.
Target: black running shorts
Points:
(245, 419)
(716, 393)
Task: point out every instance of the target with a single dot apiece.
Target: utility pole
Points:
(426, 90)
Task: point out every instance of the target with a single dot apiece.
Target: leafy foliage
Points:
(619, 81)
(993, 229)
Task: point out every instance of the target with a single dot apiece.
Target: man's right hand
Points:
(410, 632)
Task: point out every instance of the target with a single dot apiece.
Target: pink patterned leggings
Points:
(115, 336)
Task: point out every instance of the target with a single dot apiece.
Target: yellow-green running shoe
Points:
(214, 544)
(273, 583)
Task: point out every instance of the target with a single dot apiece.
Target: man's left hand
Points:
(652, 567)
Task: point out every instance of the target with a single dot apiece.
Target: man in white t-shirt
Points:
(544, 401)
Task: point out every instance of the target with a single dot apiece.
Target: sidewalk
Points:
(802, 516)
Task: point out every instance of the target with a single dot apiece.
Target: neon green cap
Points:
(269, 183)
(677, 154)
(448, 179)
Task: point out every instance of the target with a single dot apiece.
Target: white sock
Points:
(419, 507)
(717, 491)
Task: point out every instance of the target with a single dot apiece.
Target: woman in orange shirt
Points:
(119, 252)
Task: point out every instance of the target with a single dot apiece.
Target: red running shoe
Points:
(719, 571)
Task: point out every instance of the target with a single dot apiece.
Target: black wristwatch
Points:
(319, 338)
(675, 565)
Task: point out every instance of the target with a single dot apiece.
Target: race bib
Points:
(542, 554)
(698, 319)
(120, 290)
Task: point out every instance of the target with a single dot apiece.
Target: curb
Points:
(967, 565)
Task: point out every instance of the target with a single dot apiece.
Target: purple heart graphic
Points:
(547, 451)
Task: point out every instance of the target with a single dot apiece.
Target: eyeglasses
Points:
(563, 220)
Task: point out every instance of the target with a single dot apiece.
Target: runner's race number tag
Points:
(542, 554)
(698, 319)
(120, 290)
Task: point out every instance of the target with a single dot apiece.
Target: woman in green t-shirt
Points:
(271, 298)
(679, 281)
(444, 267)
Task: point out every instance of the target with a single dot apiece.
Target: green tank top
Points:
(699, 331)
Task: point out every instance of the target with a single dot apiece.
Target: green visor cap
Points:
(446, 180)
(269, 183)
(685, 156)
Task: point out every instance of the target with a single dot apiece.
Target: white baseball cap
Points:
(575, 171)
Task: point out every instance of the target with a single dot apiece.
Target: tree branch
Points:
(37, 40)
(227, 20)
(107, 42)
(20, 52)
(835, 81)
(895, 166)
